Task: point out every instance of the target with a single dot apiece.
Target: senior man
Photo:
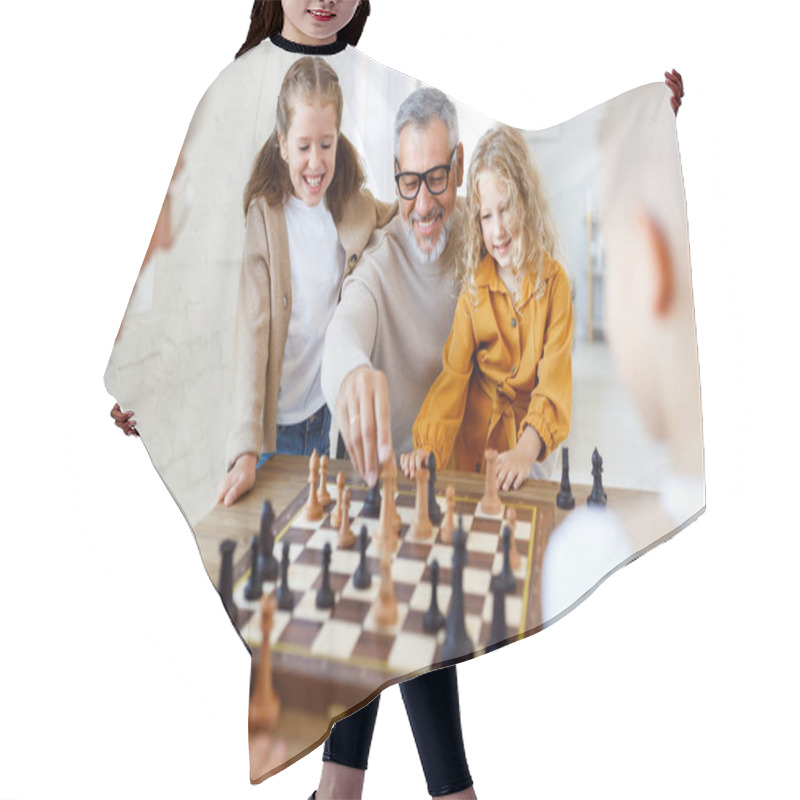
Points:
(383, 348)
(387, 336)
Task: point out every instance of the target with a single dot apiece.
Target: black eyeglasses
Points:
(436, 179)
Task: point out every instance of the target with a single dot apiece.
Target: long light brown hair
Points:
(504, 152)
(309, 79)
(266, 19)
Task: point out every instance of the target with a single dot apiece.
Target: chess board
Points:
(337, 658)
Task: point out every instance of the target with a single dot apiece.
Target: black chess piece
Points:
(498, 633)
(565, 498)
(434, 512)
(325, 597)
(457, 643)
(372, 505)
(267, 563)
(283, 593)
(598, 496)
(226, 549)
(433, 619)
(253, 589)
(361, 577)
(506, 577)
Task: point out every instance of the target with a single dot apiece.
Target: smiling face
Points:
(494, 218)
(309, 149)
(315, 22)
(427, 217)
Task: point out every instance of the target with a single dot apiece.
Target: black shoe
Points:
(314, 794)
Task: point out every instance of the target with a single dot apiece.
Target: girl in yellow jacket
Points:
(308, 220)
(506, 380)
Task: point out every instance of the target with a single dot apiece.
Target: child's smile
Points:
(497, 237)
(316, 21)
(310, 150)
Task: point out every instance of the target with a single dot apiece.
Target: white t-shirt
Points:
(317, 267)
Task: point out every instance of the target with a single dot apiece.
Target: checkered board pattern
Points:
(347, 635)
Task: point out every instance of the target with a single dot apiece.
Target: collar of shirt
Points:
(486, 277)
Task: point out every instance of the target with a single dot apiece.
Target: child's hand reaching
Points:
(411, 462)
(513, 466)
(240, 479)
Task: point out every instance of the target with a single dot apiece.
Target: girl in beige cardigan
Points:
(305, 164)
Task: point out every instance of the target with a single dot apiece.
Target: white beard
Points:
(429, 256)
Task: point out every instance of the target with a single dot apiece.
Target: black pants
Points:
(433, 711)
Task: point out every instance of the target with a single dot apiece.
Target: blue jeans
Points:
(302, 438)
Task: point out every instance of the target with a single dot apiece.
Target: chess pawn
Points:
(336, 515)
(346, 537)
(361, 577)
(313, 509)
(421, 530)
(433, 619)
(449, 523)
(265, 705)
(324, 495)
(490, 502)
(511, 521)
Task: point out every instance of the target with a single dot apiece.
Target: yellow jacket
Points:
(502, 368)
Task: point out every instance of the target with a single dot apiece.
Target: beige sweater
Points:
(395, 315)
(265, 307)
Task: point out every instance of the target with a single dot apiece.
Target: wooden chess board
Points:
(326, 663)
(340, 656)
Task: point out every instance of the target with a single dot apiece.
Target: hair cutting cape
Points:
(173, 364)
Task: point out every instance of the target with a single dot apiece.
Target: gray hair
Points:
(422, 107)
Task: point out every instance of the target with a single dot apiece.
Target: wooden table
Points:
(314, 689)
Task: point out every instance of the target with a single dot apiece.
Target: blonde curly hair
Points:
(504, 152)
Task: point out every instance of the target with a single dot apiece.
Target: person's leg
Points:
(435, 716)
(345, 755)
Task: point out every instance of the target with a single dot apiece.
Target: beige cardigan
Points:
(265, 307)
